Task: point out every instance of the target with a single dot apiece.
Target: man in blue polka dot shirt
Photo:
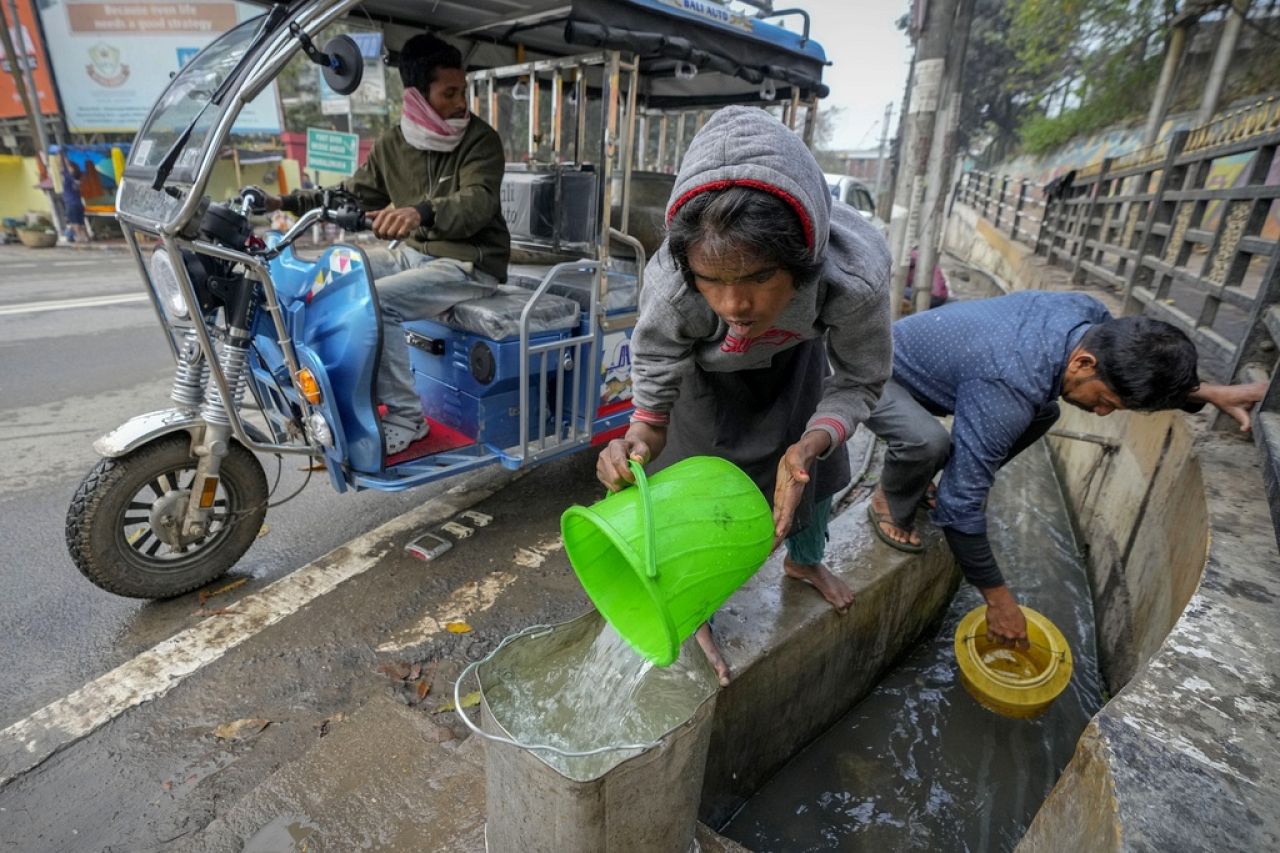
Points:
(999, 366)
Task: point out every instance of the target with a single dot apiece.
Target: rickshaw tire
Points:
(96, 549)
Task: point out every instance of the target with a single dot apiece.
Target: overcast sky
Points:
(870, 60)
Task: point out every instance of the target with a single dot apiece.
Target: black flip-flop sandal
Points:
(876, 520)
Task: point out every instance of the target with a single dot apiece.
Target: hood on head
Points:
(745, 146)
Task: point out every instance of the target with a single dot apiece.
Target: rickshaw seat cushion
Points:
(497, 317)
(623, 293)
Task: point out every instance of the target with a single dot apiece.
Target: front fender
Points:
(142, 429)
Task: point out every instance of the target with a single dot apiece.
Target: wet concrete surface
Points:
(168, 776)
(919, 764)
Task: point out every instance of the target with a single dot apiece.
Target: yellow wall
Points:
(292, 175)
(18, 193)
(19, 196)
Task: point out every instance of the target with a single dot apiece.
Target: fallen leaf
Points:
(399, 671)
(423, 688)
(264, 530)
(470, 700)
(458, 628)
(240, 728)
(205, 595)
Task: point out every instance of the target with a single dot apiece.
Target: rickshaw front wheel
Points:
(114, 519)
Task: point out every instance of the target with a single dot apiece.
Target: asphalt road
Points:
(119, 699)
(67, 376)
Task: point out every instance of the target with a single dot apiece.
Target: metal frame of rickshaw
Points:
(280, 48)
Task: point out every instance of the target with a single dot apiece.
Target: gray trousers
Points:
(919, 446)
(414, 286)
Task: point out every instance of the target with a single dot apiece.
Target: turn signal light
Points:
(308, 385)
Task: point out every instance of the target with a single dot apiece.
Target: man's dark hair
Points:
(1149, 364)
(742, 220)
(421, 56)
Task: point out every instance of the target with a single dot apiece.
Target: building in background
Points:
(860, 164)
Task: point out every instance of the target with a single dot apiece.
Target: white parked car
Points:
(857, 195)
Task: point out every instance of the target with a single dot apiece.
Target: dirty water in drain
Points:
(918, 764)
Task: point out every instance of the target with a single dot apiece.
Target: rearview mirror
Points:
(345, 68)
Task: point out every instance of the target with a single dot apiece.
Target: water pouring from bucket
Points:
(659, 559)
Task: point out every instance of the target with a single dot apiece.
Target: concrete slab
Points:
(388, 778)
(799, 666)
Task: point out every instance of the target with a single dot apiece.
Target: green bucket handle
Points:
(646, 510)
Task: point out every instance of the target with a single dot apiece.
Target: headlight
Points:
(165, 279)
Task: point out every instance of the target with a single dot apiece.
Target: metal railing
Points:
(1185, 231)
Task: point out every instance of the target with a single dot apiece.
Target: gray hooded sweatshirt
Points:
(849, 304)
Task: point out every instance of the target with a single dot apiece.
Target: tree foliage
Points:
(1039, 72)
(1097, 58)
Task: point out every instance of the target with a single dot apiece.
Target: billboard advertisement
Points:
(31, 54)
(112, 60)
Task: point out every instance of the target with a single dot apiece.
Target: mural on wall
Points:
(99, 166)
(1224, 172)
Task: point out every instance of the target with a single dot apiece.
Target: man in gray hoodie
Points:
(763, 335)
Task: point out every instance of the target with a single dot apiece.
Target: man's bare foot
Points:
(881, 505)
(712, 651)
(833, 589)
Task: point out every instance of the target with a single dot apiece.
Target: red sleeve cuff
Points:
(841, 435)
(648, 416)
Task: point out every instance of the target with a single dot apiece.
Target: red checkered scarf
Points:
(423, 127)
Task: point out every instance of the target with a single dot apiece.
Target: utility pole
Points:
(884, 148)
(931, 25)
(25, 83)
(942, 155)
(1168, 72)
(1222, 60)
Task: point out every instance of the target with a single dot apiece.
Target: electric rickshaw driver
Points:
(434, 183)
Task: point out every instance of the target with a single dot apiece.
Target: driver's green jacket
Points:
(462, 185)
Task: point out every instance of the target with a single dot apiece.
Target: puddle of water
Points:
(919, 764)
(286, 834)
(596, 692)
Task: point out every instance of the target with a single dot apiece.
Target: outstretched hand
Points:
(1235, 400)
(793, 477)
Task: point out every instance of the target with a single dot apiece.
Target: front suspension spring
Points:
(191, 375)
(234, 361)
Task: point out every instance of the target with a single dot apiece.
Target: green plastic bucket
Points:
(659, 559)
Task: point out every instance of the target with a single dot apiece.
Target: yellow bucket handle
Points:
(1058, 653)
(646, 510)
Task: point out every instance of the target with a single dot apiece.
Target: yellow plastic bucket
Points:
(1012, 682)
(658, 559)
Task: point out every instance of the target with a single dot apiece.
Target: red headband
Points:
(805, 222)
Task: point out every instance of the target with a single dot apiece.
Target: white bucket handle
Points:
(531, 631)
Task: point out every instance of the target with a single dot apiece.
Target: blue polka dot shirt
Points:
(996, 364)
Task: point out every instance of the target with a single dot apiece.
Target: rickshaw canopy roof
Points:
(736, 55)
